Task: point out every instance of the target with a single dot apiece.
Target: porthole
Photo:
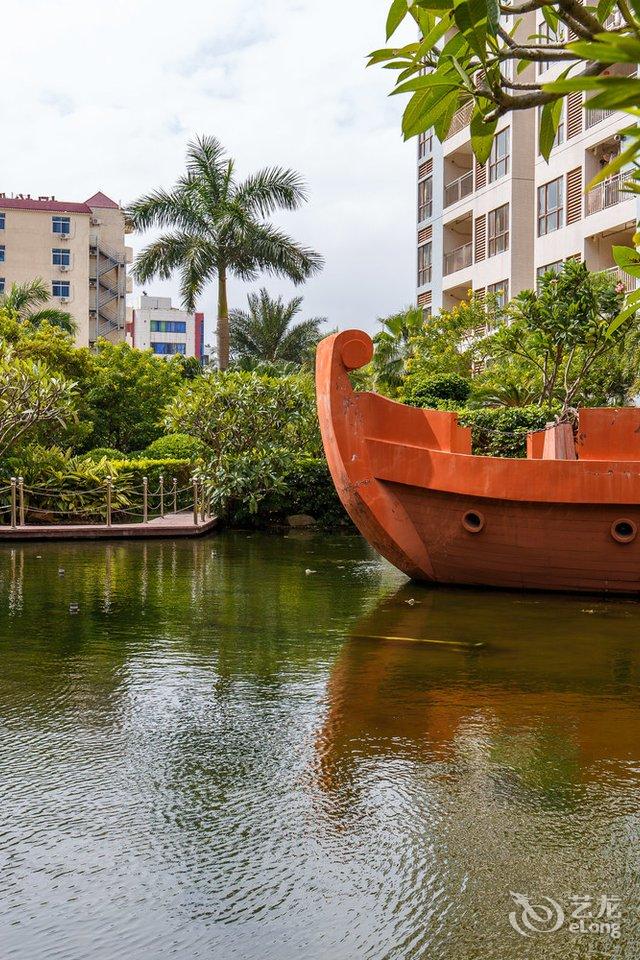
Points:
(473, 521)
(623, 530)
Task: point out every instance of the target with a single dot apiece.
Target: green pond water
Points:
(217, 754)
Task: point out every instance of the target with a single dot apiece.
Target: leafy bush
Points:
(176, 446)
(502, 431)
(104, 453)
(432, 390)
(256, 429)
(153, 469)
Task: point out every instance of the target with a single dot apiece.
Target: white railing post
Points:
(21, 500)
(13, 502)
(108, 501)
(145, 499)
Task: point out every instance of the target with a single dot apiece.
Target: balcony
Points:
(458, 259)
(617, 274)
(461, 119)
(458, 189)
(607, 194)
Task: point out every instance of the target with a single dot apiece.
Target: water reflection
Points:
(219, 755)
(490, 744)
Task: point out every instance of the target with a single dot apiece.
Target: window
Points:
(424, 264)
(547, 35)
(554, 267)
(425, 198)
(2, 221)
(61, 257)
(2, 254)
(425, 143)
(168, 348)
(1, 284)
(60, 288)
(498, 230)
(550, 207)
(501, 292)
(168, 326)
(499, 158)
(61, 225)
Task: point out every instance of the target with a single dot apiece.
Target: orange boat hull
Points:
(410, 484)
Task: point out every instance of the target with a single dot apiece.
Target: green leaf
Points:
(549, 121)
(397, 12)
(630, 307)
(482, 133)
(627, 259)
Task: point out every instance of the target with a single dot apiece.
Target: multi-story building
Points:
(496, 227)
(156, 325)
(78, 250)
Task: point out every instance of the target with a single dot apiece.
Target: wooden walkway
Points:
(171, 525)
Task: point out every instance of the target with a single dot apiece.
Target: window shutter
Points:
(574, 195)
(574, 115)
(425, 169)
(424, 235)
(481, 237)
(479, 292)
(424, 299)
(481, 176)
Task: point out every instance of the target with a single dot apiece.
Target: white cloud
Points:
(105, 97)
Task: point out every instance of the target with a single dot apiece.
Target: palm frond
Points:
(271, 189)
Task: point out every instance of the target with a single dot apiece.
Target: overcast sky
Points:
(105, 96)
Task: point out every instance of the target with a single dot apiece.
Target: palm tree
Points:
(23, 299)
(219, 228)
(392, 346)
(266, 331)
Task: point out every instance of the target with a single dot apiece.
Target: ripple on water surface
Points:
(220, 756)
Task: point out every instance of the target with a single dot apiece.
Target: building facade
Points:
(156, 325)
(78, 250)
(496, 227)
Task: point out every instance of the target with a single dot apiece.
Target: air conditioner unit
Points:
(618, 138)
(64, 299)
(95, 222)
(64, 268)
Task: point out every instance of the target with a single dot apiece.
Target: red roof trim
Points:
(57, 206)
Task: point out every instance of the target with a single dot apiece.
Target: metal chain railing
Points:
(105, 503)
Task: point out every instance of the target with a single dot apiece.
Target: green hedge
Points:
(502, 431)
(153, 469)
(434, 390)
(176, 446)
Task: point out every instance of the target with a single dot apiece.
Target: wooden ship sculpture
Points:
(565, 518)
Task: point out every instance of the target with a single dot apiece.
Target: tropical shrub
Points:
(176, 446)
(435, 390)
(502, 431)
(263, 443)
(127, 394)
(32, 397)
(104, 453)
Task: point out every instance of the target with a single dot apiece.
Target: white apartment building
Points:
(156, 325)
(78, 250)
(496, 227)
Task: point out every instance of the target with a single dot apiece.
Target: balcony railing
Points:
(460, 119)
(458, 189)
(458, 259)
(424, 275)
(630, 283)
(591, 117)
(607, 194)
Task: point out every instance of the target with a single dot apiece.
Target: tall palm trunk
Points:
(223, 321)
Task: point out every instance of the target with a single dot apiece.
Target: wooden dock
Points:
(171, 525)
